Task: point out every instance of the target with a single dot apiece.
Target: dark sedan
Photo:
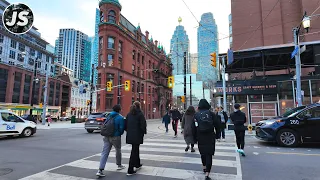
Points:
(94, 121)
(300, 125)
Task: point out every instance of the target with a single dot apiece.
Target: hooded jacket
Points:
(238, 118)
(118, 123)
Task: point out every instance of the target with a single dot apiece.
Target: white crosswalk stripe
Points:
(162, 157)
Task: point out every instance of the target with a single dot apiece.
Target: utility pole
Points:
(44, 112)
(224, 83)
(33, 86)
(298, 65)
(119, 86)
(185, 78)
(190, 91)
(91, 89)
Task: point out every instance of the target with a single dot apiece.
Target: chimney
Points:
(156, 43)
(147, 35)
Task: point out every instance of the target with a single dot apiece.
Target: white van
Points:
(11, 124)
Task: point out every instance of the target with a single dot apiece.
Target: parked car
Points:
(298, 126)
(94, 121)
(32, 118)
(11, 124)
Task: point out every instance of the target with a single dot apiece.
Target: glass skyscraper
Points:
(86, 63)
(179, 45)
(207, 44)
(95, 47)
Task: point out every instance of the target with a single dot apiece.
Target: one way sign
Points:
(295, 51)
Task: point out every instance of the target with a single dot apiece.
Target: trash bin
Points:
(73, 119)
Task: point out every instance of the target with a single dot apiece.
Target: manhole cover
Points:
(5, 171)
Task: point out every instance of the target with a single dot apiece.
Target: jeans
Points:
(108, 143)
(175, 126)
(166, 125)
(207, 162)
(240, 138)
(134, 160)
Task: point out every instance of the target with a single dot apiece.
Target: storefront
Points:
(18, 109)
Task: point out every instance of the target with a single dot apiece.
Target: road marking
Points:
(154, 171)
(183, 145)
(52, 176)
(255, 153)
(182, 141)
(300, 154)
(168, 150)
(256, 147)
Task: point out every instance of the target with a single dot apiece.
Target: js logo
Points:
(18, 18)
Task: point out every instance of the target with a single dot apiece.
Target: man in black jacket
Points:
(176, 116)
(239, 119)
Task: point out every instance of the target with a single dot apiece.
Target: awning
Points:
(16, 107)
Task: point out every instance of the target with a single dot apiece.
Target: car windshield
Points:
(294, 110)
(95, 115)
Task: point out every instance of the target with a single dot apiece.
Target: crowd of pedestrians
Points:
(202, 127)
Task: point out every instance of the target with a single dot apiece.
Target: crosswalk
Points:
(163, 157)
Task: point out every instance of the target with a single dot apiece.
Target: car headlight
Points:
(269, 122)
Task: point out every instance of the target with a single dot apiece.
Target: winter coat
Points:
(206, 141)
(118, 123)
(223, 125)
(188, 127)
(166, 119)
(175, 114)
(238, 118)
(136, 128)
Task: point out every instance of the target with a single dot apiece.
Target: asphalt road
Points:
(266, 161)
(21, 157)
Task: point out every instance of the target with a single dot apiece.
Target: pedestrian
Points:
(206, 123)
(113, 140)
(223, 117)
(166, 121)
(238, 118)
(216, 111)
(188, 126)
(136, 129)
(176, 116)
(49, 119)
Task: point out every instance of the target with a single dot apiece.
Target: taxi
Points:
(301, 125)
(11, 124)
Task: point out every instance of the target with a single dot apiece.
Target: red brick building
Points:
(276, 29)
(125, 53)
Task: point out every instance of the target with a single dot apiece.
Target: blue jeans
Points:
(108, 143)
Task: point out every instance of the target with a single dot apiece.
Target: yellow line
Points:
(300, 154)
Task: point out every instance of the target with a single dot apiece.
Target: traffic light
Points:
(127, 85)
(40, 105)
(213, 59)
(170, 81)
(109, 86)
(183, 99)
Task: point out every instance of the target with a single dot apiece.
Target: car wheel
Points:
(90, 130)
(287, 138)
(27, 132)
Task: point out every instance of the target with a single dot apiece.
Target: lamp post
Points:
(306, 21)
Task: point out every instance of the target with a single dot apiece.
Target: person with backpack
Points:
(112, 129)
(166, 120)
(238, 118)
(176, 116)
(223, 117)
(206, 124)
(188, 126)
(136, 129)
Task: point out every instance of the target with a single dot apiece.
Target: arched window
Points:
(101, 17)
(112, 16)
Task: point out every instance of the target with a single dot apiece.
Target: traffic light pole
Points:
(33, 86)
(224, 83)
(91, 89)
(190, 91)
(45, 100)
(185, 78)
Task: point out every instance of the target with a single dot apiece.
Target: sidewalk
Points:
(61, 125)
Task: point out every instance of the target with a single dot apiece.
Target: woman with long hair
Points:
(136, 129)
(188, 126)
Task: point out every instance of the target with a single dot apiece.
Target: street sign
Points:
(230, 56)
(294, 52)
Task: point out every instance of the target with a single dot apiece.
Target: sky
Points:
(159, 17)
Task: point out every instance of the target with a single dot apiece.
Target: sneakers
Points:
(175, 136)
(138, 168)
(223, 140)
(187, 149)
(121, 167)
(208, 178)
(131, 173)
(192, 150)
(100, 174)
(218, 140)
(242, 152)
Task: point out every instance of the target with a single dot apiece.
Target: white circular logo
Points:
(18, 18)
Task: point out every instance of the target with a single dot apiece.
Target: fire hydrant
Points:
(250, 129)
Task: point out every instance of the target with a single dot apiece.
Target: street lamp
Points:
(306, 23)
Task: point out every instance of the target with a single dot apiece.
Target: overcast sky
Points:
(159, 17)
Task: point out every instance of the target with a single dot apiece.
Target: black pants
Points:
(240, 138)
(207, 162)
(166, 125)
(134, 158)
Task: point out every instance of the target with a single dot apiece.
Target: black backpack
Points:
(205, 122)
(107, 129)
